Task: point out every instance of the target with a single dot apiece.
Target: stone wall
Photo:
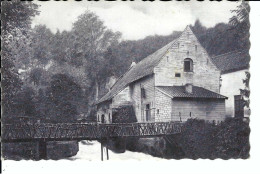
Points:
(122, 98)
(105, 109)
(198, 108)
(205, 74)
(230, 86)
(139, 102)
(163, 106)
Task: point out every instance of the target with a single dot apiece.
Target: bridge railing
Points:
(90, 131)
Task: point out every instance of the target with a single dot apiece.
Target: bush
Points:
(200, 139)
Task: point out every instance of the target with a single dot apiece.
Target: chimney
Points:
(132, 64)
(188, 88)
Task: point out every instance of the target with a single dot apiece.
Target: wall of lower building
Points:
(163, 106)
(230, 86)
(207, 109)
(106, 110)
(122, 98)
(138, 101)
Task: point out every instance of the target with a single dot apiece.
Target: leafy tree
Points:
(240, 21)
(91, 40)
(41, 44)
(15, 23)
(246, 91)
(241, 16)
(64, 95)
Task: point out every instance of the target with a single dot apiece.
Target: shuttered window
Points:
(188, 65)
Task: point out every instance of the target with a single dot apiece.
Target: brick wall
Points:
(204, 74)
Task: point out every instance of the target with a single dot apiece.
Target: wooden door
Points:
(147, 112)
(239, 106)
(103, 118)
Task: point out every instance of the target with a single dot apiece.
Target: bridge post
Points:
(42, 149)
(101, 150)
(107, 151)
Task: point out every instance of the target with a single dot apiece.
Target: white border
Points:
(169, 166)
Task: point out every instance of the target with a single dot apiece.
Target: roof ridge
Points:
(120, 77)
(211, 91)
(146, 58)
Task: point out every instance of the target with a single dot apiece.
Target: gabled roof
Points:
(197, 92)
(143, 68)
(232, 61)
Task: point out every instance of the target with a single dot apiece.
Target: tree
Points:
(246, 91)
(91, 40)
(240, 22)
(41, 43)
(16, 21)
(198, 28)
(241, 16)
(64, 96)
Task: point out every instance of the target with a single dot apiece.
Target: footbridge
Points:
(86, 131)
(44, 132)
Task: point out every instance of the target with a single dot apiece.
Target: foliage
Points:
(85, 57)
(246, 91)
(121, 55)
(127, 111)
(241, 17)
(230, 139)
(41, 44)
(63, 96)
(16, 21)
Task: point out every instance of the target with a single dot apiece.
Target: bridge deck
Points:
(86, 131)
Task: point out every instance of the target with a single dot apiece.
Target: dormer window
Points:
(188, 65)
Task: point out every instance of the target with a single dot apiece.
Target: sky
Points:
(137, 19)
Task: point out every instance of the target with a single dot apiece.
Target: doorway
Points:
(103, 118)
(239, 106)
(147, 112)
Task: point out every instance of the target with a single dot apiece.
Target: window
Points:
(143, 92)
(196, 47)
(188, 65)
(177, 75)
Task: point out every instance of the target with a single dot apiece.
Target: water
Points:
(91, 150)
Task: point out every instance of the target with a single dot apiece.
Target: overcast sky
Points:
(138, 19)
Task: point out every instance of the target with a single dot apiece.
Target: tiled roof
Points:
(143, 68)
(197, 92)
(232, 61)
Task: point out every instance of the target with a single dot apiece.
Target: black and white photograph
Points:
(115, 81)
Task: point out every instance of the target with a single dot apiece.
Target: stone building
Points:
(233, 67)
(177, 82)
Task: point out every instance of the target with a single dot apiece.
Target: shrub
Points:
(200, 139)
